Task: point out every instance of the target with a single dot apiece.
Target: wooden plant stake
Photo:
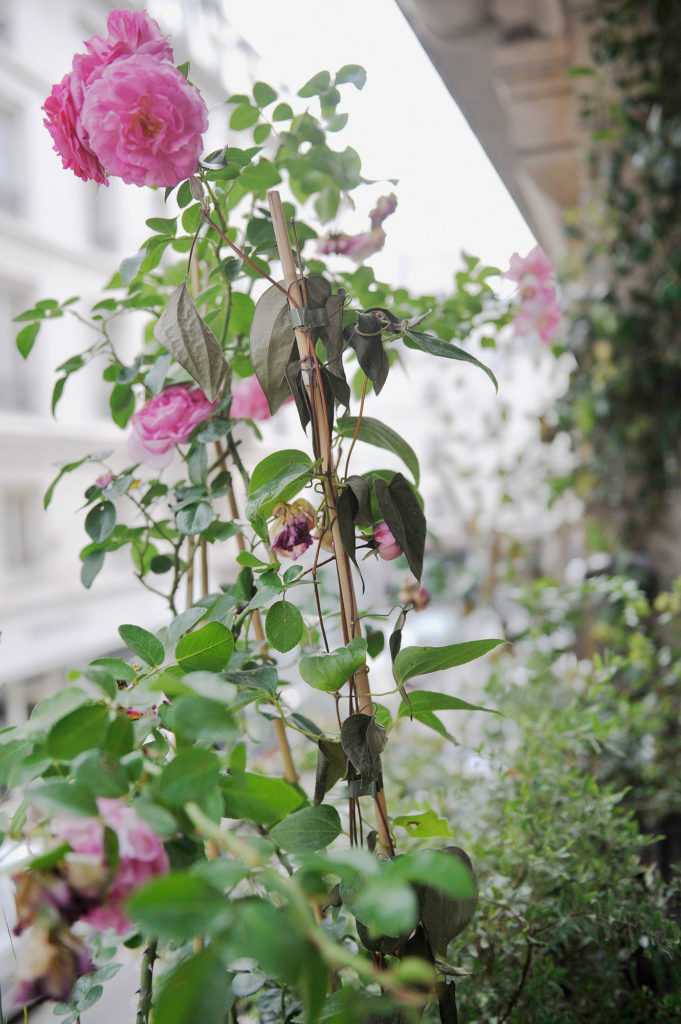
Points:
(312, 378)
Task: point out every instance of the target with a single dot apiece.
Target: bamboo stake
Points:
(306, 350)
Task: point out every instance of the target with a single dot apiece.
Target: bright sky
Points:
(404, 124)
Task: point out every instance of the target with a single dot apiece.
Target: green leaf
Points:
(436, 868)
(435, 347)
(100, 521)
(91, 567)
(282, 112)
(259, 177)
(198, 990)
(65, 796)
(423, 824)
(67, 468)
(259, 798)
(143, 643)
(316, 85)
(386, 907)
(241, 313)
(328, 672)
(374, 432)
(243, 116)
(102, 775)
(418, 661)
(207, 650)
(189, 776)
(194, 518)
(182, 331)
(269, 935)
(121, 404)
(277, 478)
(421, 702)
(271, 342)
(26, 338)
(264, 94)
(116, 667)
(163, 225)
(196, 717)
(284, 626)
(307, 830)
(80, 730)
(178, 907)
(352, 73)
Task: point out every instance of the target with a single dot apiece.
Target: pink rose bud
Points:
(384, 208)
(144, 121)
(104, 480)
(166, 420)
(386, 545)
(249, 401)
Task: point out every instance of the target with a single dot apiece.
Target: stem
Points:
(146, 983)
(306, 349)
(290, 772)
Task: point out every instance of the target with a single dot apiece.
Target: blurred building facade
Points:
(60, 237)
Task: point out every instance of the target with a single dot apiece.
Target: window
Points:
(17, 512)
(10, 160)
(14, 374)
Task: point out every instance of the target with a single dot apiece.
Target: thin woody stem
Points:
(290, 771)
(318, 411)
(146, 984)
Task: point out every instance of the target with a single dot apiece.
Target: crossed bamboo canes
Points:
(295, 287)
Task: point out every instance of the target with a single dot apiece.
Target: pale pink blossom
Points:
(249, 401)
(386, 545)
(144, 121)
(384, 208)
(356, 247)
(415, 594)
(166, 420)
(535, 265)
(104, 480)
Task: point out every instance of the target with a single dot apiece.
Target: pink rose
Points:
(165, 420)
(386, 545)
(104, 480)
(249, 401)
(415, 594)
(142, 857)
(355, 247)
(63, 121)
(384, 208)
(130, 32)
(144, 121)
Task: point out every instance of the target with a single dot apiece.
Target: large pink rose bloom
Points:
(166, 420)
(141, 856)
(62, 120)
(249, 401)
(130, 32)
(144, 121)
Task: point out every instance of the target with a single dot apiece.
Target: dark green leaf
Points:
(363, 741)
(189, 776)
(26, 338)
(65, 796)
(402, 512)
(271, 343)
(100, 521)
(181, 330)
(331, 767)
(196, 991)
(353, 73)
(380, 435)
(243, 116)
(80, 730)
(178, 907)
(277, 478)
(121, 404)
(282, 112)
(424, 701)
(316, 85)
(194, 518)
(435, 347)
(264, 94)
(91, 567)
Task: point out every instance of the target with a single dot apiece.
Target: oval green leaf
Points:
(207, 650)
(284, 626)
(328, 672)
(143, 643)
